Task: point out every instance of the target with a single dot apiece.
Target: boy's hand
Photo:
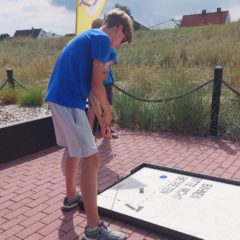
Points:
(106, 132)
(105, 125)
(107, 117)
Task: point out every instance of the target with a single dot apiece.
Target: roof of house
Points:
(219, 17)
(139, 26)
(28, 33)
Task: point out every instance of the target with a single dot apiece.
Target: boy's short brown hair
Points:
(97, 23)
(118, 17)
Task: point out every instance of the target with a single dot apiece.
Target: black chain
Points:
(164, 99)
(19, 83)
(3, 85)
(231, 88)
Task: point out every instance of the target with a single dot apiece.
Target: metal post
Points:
(218, 73)
(10, 78)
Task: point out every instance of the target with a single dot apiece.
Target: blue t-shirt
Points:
(70, 83)
(112, 57)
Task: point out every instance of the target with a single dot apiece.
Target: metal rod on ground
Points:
(216, 95)
(119, 177)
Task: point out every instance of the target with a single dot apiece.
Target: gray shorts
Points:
(73, 131)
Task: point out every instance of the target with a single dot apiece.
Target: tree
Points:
(136, 25)
(4, 36)
(124, 8)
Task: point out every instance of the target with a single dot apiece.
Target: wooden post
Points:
(10, 78)
(216, 95)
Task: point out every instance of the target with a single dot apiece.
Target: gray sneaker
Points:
(69, 205)
(103, 233)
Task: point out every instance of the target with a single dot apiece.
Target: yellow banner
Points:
(86, 12)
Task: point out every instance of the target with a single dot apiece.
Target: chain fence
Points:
(11, 81)
(163, 99)
(216, 94)
(231, 88)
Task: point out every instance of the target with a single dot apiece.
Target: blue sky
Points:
(59, 15)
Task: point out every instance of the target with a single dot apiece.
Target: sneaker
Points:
(114, 134)
(70, 204)
(102, 233)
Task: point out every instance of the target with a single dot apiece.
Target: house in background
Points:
(139, 26)
(52, 35)
(35, 33)
(203, 19)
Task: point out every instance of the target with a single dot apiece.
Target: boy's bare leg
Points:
(88, 183)
(71, 168)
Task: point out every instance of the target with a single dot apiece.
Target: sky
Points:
(58, 16)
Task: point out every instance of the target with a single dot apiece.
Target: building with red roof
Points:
(203, 19)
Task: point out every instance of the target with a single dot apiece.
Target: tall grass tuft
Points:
(31, 60)
(8, 96)
(31, 98)
(185, 115)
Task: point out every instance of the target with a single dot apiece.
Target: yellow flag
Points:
(86, 12)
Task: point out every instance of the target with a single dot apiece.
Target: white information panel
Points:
(201, 208)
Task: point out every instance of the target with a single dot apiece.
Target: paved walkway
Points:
(32, 188)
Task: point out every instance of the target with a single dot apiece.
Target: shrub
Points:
(33, 97)
(189, 114)
(8, 96)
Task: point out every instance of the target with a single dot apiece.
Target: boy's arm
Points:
(107, 67)
(113, 59)
(110, 63)
(99, 94)
(106, 132)
(96, 107)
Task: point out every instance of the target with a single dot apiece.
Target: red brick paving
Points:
(32, 188)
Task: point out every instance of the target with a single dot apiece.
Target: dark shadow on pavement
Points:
(29, 157)
(108, 176)
(66, 229)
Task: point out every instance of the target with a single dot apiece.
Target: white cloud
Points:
(234, 13)
(25, 14)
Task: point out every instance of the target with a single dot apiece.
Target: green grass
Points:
(33, 97)
(158, 64)
(185, 115)
(8, 96)
(31, 60)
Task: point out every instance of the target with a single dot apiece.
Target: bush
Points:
(31, 98)
(8, 96)
(188, 115)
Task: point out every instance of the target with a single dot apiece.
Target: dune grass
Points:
(165, 63)
(33, 97)
(31, 60)
(158, 64)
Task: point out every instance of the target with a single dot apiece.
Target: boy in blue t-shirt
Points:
(108, 84)
(78, 72)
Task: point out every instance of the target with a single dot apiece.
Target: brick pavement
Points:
(32, 188)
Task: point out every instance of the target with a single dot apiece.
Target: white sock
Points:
(92, 229)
